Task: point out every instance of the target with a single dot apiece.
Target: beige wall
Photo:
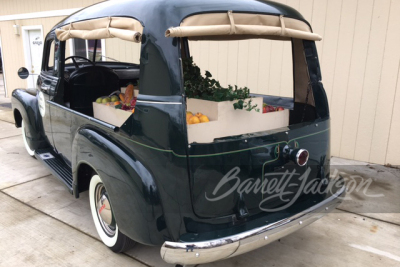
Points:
(12, 45)
(123, 51)
(9, 7)
(264, 66)
(13, 50)
(359, 55)
(360, 58)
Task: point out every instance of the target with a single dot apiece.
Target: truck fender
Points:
(25, 107)
(130, 185)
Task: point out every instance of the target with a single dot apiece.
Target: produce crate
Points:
(110, 115)
(226, 121)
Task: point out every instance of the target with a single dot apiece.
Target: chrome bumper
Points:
(218, 249)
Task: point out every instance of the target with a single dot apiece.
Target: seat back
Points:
(89, 83)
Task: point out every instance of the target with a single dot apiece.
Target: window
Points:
(264, 66)
(51, 66)
(85, 48)
(108, 50)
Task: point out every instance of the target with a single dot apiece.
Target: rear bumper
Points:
(218, 249)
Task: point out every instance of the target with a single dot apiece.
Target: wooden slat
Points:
(393, 145)
(233, 50)
(330, 45)
(356, 78)
(318, 23)
(264, 67)
(242, 63)
(372, 79)
(306, 9)
(213, 59)
(387, 87)
(341, 72)
(253, 63)
(223, 63)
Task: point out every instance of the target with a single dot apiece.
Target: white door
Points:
(35, 40)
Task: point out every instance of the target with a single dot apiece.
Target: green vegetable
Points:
(197, 86)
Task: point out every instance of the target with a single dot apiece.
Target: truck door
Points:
(46, 86)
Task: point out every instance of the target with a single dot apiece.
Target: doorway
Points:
(33, 48)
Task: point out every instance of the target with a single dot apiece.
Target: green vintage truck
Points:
(202, 191)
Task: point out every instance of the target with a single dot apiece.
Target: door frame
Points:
(27, 51)
(4, 70)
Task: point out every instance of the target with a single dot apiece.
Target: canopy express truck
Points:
(204, 189)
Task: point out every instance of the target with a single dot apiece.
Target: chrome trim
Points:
(104, 211)
(218, 249)
(154, 102)
(298, 155)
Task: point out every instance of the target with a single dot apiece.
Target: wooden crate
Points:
(226, 121)
(110, 115)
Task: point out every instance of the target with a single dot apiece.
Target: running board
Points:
(56, 165)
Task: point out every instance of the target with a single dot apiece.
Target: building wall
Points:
(359, 57)
(9, 7)
(12, 45)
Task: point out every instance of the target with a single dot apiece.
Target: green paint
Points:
(225, 153)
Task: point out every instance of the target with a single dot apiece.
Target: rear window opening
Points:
(239, 87)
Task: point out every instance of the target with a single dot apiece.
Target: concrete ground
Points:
(41, 224)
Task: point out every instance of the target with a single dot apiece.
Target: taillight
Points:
(302, 157)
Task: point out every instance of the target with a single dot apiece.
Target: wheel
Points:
(28, 149)
(103, 218)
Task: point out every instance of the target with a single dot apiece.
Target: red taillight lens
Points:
(302, 157)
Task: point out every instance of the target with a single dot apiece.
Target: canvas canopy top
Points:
(109, 27)
(228, 26)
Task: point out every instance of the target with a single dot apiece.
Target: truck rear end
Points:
(259, 160)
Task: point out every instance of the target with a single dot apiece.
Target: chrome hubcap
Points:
(104, 211)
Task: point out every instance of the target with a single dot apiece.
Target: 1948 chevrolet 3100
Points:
(203, 191)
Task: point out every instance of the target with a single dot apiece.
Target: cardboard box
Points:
(226, 121)
(110, 115)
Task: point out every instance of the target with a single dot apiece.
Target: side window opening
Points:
(51, 66)
(102, 72)
(50, 63)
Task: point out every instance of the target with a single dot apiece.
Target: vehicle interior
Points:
(86, 79)
(99, 58)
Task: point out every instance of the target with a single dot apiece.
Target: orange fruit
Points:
(117, 103)
(198, 114)
(133, 110)
(194, 120)
(188, 116)
(204, 118)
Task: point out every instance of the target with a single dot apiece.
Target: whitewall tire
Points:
(103, 217)
(28, 149)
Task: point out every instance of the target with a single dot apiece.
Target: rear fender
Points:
(131, 186)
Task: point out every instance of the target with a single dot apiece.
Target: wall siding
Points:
(359, 56)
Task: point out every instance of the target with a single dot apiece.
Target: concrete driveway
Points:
(41, 224)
